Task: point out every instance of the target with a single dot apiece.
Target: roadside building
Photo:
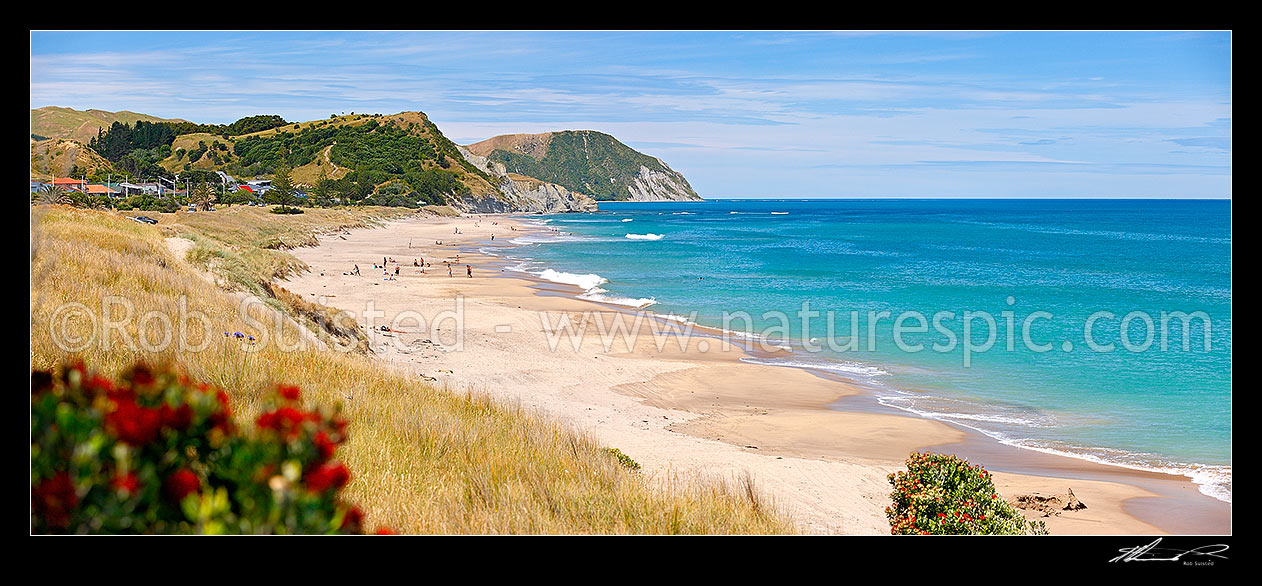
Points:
(259, 186)
(139, 188)
(93, 189)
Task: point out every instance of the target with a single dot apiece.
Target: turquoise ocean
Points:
(1042, 270)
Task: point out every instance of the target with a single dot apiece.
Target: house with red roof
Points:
(70, 183)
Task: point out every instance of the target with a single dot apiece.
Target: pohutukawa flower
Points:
(181, 484)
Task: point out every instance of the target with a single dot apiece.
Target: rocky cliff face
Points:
(653, 185)
(584, 161)
(519, 193)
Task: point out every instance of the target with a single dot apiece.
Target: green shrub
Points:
(155, 453)
(623, 459)
(945, 495)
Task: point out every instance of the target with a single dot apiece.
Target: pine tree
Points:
(323, 187)
(282, 191)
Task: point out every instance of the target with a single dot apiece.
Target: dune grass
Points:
(424, 459)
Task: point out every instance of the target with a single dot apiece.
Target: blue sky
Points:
(741, 114)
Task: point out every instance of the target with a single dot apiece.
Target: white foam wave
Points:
(627, 220)
(592, 290)
(909, 403)
(779, 213)
(649, 236)
(585, 282)
(849, 368)
(598, 294)
(675, 318)
(525, 266)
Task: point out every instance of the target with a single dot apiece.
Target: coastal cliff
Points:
(519, 193)
(587, 162)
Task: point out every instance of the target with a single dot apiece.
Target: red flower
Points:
(97, 383)
(286, 420)
(328, 476)
(289, 392)
(181, 484)
(353, 519)
(223, 417)
(141, 376)
(385, 531)
(178, 418)
(134, 424)
(126, 482)
(326, 446)
(54, 499)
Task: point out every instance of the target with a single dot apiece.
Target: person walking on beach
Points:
(396, 269)
(469, 269)
(448, 269)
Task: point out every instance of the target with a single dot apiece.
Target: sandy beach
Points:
(695, 410)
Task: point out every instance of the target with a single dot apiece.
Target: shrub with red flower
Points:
(154, 453)
(945, 495)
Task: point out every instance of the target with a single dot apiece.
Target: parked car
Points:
(145, 220)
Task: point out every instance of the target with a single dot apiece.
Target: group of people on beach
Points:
(420, 263)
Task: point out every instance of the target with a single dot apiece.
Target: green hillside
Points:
(363, 157)
(400, 159)
(585, 161)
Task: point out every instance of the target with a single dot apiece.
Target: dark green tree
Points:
(282, 191)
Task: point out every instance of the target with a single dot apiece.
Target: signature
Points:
(1152, 553)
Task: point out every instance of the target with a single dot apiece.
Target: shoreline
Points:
(814, 445)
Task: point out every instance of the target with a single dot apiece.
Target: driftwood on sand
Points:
(1047, 504)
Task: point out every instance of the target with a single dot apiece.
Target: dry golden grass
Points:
(82, 125)
(424, 459)
(59, 156)
(310, 173)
